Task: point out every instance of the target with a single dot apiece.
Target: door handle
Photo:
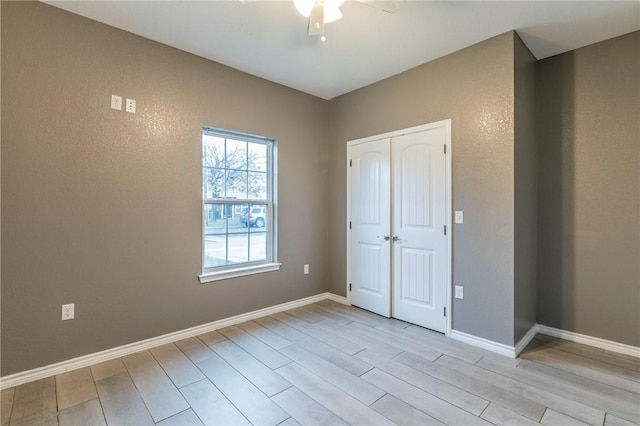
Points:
(386, 237)
(395, 238)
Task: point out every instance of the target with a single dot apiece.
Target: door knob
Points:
(395, 238)
(386, 237)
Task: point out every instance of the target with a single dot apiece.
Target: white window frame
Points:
(247, 268)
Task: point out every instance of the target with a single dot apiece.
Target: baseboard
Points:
(109, 354)
(597, 342)
(340, 299)
(526, 339)
(490, 345)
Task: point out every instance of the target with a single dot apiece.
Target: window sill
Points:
(238, 272)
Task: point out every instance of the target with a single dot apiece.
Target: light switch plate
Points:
(459, 216)
(459, 292)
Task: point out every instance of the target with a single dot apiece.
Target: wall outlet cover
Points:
(68, 311)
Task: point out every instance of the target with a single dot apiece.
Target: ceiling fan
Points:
(322, 12)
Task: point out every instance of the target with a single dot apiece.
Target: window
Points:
(237, 205)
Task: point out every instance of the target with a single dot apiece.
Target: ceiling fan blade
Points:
(316, 20)
(389, 6)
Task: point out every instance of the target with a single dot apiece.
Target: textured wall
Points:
(103, 209)
(589, 190)
(473, 87)
(526, 191)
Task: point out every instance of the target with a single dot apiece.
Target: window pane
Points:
(237, 218)
(213, 183)
(236, 154)
(257, 157)
(215, 250)
(214, 219)
(257, 185)
(238, 248)
(237, 184)
(258, 246)
(212, 151)
(259, 218)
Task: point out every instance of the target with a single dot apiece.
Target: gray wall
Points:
(103, 208)
(589, 190)
(473, 87)
(526, 191)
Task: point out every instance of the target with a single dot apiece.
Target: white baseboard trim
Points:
(597, 342)
(480, 342)
(109, 354)
(526, 339)
(340, 299)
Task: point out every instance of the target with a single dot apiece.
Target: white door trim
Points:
(448, 203)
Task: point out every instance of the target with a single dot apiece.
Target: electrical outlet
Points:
(116, 102)
(130, 105)
(459, 292)
(306, 269)
(68, 311)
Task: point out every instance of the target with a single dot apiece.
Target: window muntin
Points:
(237, 194)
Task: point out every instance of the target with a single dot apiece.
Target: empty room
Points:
(320, 212)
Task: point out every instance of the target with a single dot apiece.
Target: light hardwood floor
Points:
(328, 364)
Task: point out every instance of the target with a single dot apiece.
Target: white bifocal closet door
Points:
(370, 269)
(419, 217)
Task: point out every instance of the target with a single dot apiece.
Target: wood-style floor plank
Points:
(624, 361)
(451, 394)
(186, 418)
(542, 396)
(353, 385)
(107, 369)
(265, 353)
(334, 399)
(158, 392)
(6, 405)
(251, 402)
(345, 345)
(501, 416)
(586, 367)
(290, 422)
(75, 387)
(376, 345)
(611, 420)
(553, 418)
(397, 341)
(437, 341)
(402, 413)
(211, 406)
(264, 334)
(522, 406)
(259, 374)
(321, 313)
(306, 315)
(34, 402)
(121, 402)
(304, 409)
(425, 402)
(608, 398)
(88, 413)
(321, 349)
(175, 363)
(355, 314)
(195, 349)
(211, 338)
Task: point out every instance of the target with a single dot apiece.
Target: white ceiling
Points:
(268, 38)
